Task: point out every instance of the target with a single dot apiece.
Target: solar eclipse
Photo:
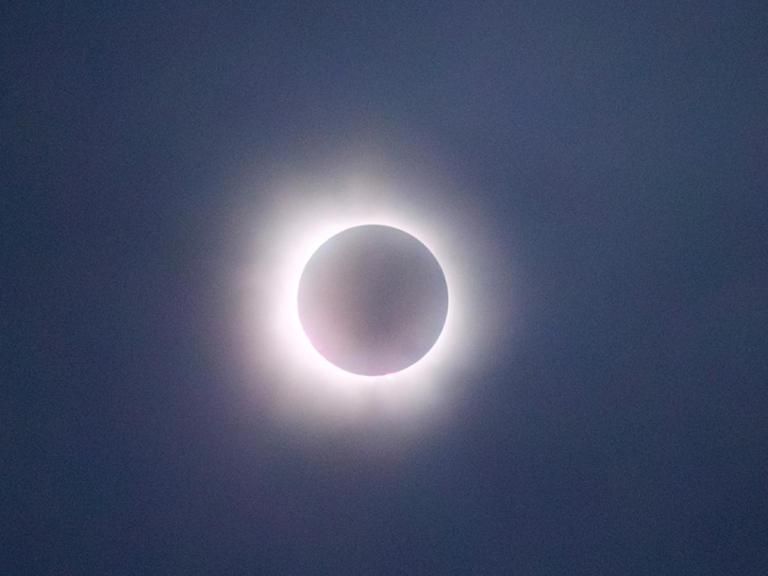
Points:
(365, 295)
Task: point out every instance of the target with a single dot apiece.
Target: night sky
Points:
(618, 154)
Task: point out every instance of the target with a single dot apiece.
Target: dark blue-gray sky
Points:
(619, 148)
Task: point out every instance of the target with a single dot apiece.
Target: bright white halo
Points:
(298, 379)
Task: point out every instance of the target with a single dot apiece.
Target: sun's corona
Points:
(295, 347)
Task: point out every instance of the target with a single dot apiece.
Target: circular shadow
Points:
(373, 300)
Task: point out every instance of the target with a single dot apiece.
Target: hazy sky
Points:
(616, 152)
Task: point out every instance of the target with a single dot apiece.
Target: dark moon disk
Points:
(373, 300)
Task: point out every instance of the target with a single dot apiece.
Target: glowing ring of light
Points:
(288, 324)
(304, 216)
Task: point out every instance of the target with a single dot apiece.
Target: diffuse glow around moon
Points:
(287, 371)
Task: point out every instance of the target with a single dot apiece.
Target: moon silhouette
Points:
(373, 300)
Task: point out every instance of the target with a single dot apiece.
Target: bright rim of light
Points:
(303, 217)
(299, 355)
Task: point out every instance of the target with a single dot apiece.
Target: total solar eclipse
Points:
(365, 297)
(373, 300)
